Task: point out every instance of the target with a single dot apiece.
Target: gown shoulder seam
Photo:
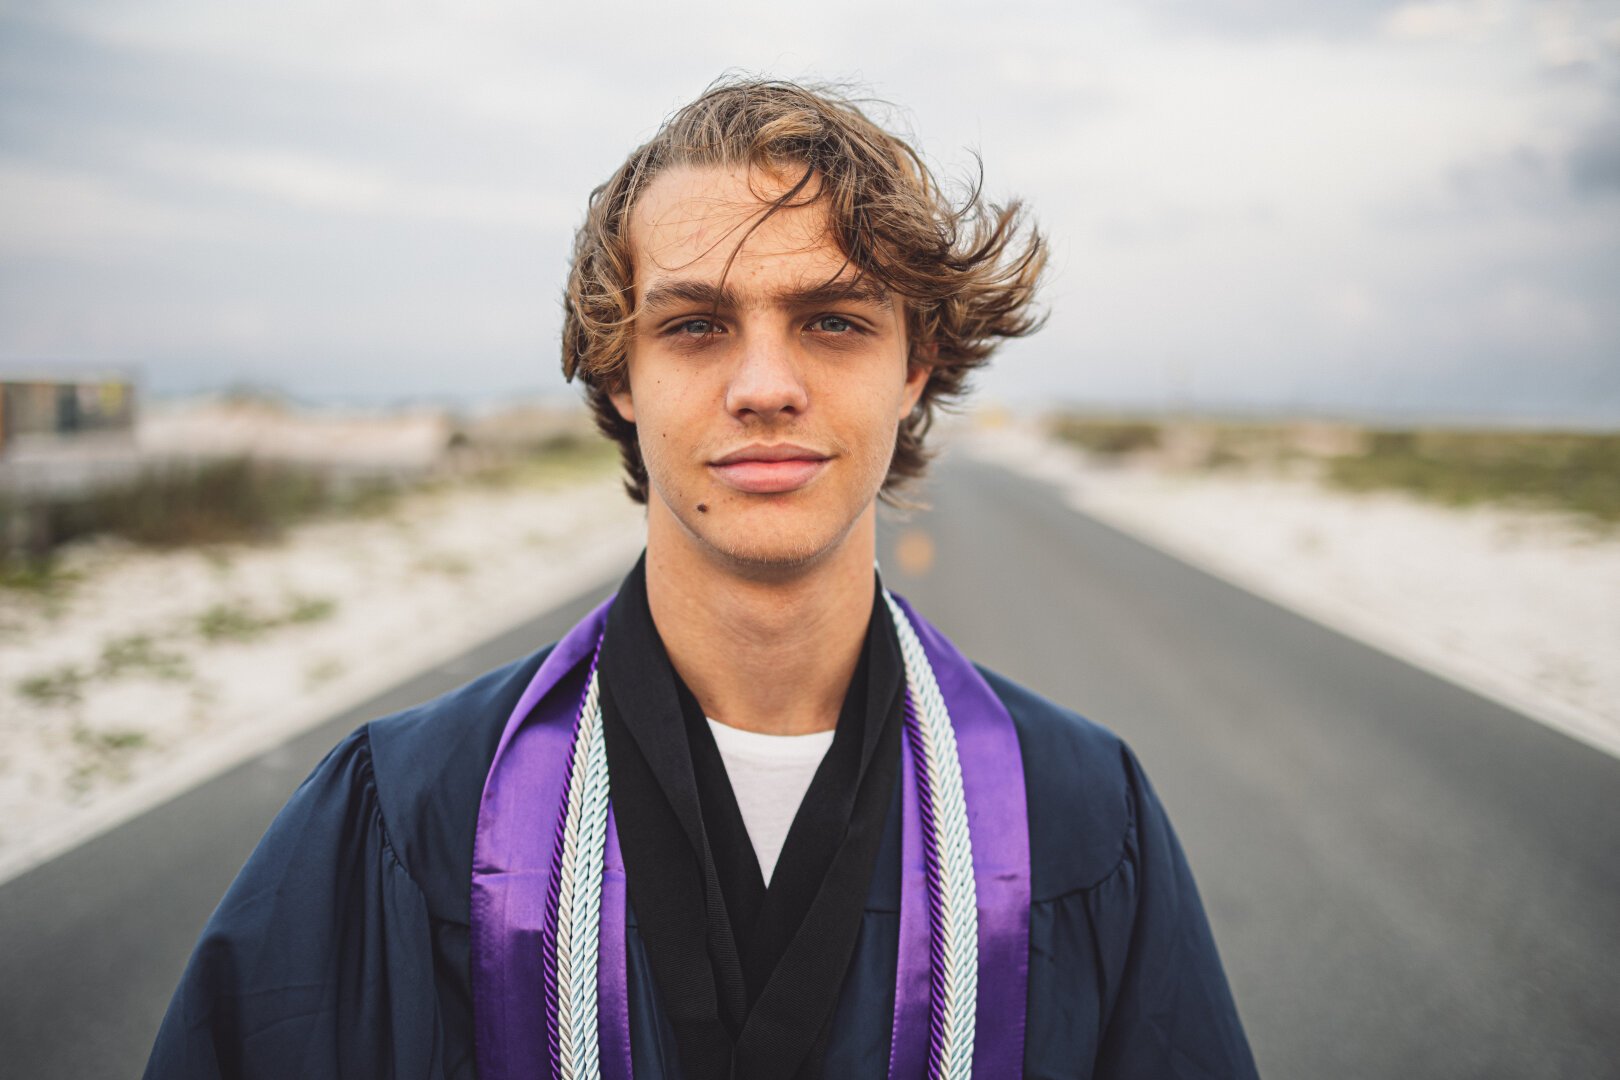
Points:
(1112, 873)
(1130, 839)
(382, 818)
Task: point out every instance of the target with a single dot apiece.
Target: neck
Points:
(771, 652)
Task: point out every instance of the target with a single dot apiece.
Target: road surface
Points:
(1405, 880)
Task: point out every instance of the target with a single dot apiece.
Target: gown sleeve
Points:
(318, 961)
(1173, 1017)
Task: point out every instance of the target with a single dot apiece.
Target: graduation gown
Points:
(342, 947)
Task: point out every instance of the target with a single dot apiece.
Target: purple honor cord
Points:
(993, 782)
(513, 933)
(515, 852)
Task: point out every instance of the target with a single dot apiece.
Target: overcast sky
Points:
(1354, 206)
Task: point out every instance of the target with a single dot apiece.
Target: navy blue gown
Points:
(341, 950)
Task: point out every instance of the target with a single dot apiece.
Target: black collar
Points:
(748, 975)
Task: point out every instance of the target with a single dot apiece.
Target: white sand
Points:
(1520, 606)
(339, 611)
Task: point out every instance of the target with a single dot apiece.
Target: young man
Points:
(753, 817)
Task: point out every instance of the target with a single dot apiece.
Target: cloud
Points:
(1568, 38)
(56, 212)
(1444, 20)
(1594, 162)
(331, 185)
(1274, 18)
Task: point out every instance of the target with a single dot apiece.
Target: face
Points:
(766, 397)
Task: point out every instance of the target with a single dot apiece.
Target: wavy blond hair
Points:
(966, 271)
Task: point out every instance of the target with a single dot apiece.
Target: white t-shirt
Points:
(769, 775)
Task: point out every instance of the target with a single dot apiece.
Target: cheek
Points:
(665, 431)
(879, 424)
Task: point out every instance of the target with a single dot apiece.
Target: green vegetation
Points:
(193, 504)
(213, 502)
(1108, 437)
(552, 462)
(1568, 471)
(1555, 470)
(439, 562)
(41, 576)
(240, 621)
(139, 654)
(308, 609)
(243, 500)
(59, 686)
(110, 741)
(134, 654)
(232, 622)
(322, 672)
(1230, 444)
(103, 752)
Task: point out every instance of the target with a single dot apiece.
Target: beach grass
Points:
(1569, 471)
(553, 462)
(242, 500)
(1108, 436)
(179, 504)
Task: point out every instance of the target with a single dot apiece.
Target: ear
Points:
(917, 373)
(623, 403)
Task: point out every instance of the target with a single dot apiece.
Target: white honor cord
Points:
(958, 916)
(579, 894)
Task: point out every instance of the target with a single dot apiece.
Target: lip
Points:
(769, 469)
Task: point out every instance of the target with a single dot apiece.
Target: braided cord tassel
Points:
(577, 898)
(948, 850)
(580, 916)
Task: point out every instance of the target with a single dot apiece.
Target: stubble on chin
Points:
(736, 535)
(780, 551)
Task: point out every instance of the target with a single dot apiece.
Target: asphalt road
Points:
(1405, 880)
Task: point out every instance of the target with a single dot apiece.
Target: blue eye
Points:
(695, 327)
(833, 324)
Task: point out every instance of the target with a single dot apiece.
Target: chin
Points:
(764, 540)
(770, 548)
(761, 536)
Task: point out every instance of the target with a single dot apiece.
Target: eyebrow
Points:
(674, 294)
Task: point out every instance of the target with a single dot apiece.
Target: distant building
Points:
(42, 407)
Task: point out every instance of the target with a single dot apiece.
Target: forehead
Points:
(690, 219)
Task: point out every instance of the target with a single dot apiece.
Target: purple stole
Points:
(514, 852)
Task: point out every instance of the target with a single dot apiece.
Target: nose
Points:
(767, 382)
